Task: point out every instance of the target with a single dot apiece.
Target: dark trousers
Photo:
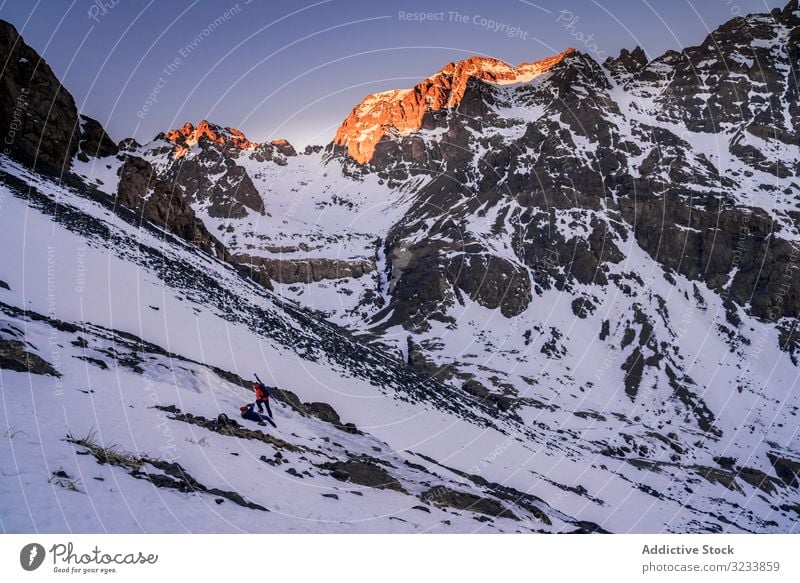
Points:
(260, 402)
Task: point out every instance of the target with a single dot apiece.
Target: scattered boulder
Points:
(323, 411)
(328, 414)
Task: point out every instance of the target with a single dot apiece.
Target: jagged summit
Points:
(188, 135)
(629, 61)
(403, 109)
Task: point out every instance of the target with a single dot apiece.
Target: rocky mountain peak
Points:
(402, 110)
(629, 61)
(284, 147)
(188, 135)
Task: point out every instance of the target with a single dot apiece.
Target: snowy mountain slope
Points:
(110, 381)
(532, 457)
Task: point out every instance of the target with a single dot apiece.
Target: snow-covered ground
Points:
(69, 277)
(81, 264)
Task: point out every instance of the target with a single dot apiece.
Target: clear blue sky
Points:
(295, 69)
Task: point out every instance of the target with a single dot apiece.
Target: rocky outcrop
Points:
(39, 120)
(38, 117)
(707, 241)
(284, 147)
(94, 141)
(787, 469)
(328, 414)
(442, 496)
(734, 76)
(14, 355)
(402, 111)
(306, 270)
(214, 180)
(363, 473)
(156, 201)
(492, 281)
(202, 164)
(628, 62)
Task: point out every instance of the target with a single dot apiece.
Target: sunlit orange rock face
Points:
(188, 135)
(284, 147)
(402, 110)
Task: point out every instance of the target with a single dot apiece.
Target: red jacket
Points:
(261, 392)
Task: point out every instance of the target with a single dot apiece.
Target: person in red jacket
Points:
(262, 397)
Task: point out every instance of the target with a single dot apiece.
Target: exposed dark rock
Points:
(757, 479)
(492, 281)
(227, 426)
(442, 496)
(229, 196)
(289, 398)
(177, 478)
(323, 411)
(38, 117)
(629, 61)
(475, 388)
(527, 501)
(153, 200)
(210, 175)
(718, 476)
(141, 191)
(726, 463)
(586, 527)
(306, 270)
(418, 361)
(94, 140)
(284, 147)
(128, 145)
(95, 361)
(14, 355)
(363, 473)
(604, 329)
(787, 470)
(633, 367)
(582, 308)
